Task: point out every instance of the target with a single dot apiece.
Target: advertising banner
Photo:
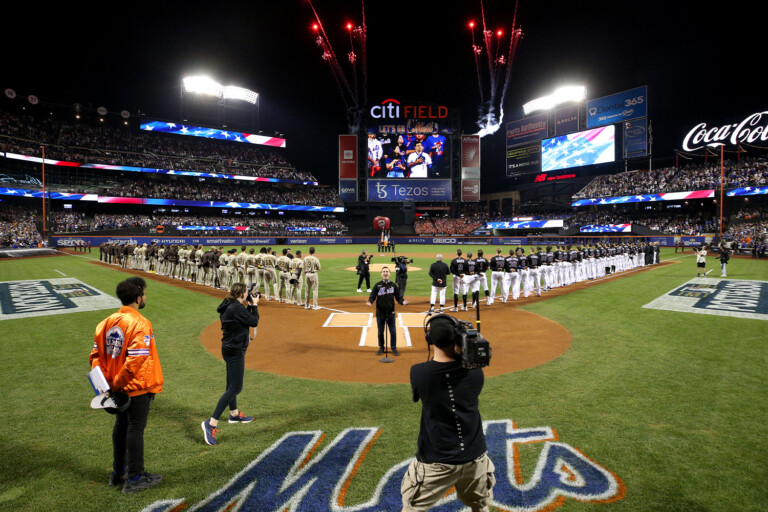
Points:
(692, 241)
(470, 190)
(606, 228)
(618, 107)
(509, 241)
(567, 120)
(646, 198)
(664, 241)
(752, 129)
(523, 160)
(409, 190)
(636, 138)
(526, 130)
(348, 190)
(347, 156)
(526, 224)
(470, 151)
(212, 133)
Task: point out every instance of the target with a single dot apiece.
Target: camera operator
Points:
(401, 272)
(451, 449)
(238, 312)
(364, 270)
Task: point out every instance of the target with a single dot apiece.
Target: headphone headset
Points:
(458, 327)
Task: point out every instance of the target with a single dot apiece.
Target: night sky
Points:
(700, 64)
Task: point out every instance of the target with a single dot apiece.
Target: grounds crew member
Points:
(125, 350)
(451, 450)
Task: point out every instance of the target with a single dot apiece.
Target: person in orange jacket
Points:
(124, 347)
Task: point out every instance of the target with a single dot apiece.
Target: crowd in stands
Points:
(745, 173)
(448, 226)
(680, 223)
(69, 222)
(749, 226)
(82, 142)
(239, 192)
(17, 227)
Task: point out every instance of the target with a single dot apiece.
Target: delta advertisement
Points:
(567, 120)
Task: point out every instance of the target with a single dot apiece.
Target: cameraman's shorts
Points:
(424, 484)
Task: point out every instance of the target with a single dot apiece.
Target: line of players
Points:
(539, 271)
(284, 277)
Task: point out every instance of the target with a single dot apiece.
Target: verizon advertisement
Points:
(347, 156)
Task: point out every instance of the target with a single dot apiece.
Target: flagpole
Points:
(45, 237)
(722, 179)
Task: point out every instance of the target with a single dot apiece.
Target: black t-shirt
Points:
(451, 429)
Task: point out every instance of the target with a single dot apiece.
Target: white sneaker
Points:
(359, 290)
(369, 290)
(453, 309)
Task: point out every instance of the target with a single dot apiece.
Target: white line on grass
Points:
(60, 272)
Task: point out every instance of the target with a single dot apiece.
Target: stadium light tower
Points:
(208, 86)
(228, 98)
(560, 95)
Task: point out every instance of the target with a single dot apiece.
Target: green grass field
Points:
(674, 404)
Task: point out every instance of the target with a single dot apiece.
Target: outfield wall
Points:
(95, 240)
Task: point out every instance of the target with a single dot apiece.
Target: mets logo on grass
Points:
(712, 296)
(292, 475)
(22, 299)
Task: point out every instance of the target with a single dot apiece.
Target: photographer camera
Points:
(364, 271)
(238, 312)
(401, 272)
(451, 450)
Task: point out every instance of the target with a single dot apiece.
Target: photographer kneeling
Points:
(238, 312)
(451, 447)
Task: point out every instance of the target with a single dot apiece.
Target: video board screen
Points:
(579, 149)
(408, 155)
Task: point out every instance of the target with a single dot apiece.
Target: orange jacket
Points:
(124, 347)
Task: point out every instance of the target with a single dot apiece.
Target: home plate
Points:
(369, 335)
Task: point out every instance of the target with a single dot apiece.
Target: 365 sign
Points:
(295, 474)
(753, 129)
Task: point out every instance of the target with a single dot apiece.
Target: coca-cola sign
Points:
(753, 130)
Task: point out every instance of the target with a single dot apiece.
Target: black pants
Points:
(128, 436)
(387, 321)
(235, 361)
(367, 276)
